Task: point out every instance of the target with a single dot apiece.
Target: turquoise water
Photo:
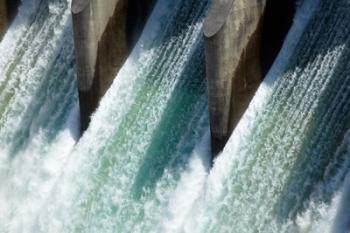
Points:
(283, 168)
(140, 139)
(128, 162)
(143, 165)
(38, 108)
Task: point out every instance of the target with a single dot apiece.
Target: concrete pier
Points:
(242, 39)
(232, 33)
(104, 33)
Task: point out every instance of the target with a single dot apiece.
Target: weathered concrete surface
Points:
(242, 39)
(3, 17)
(96, 25)
(101, 36)
(232, 32)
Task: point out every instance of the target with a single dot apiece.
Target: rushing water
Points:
(38, 108)
(143, 164)
(125, 166)
(284, 166)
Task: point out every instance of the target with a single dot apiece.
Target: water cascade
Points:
(140, 139)
(38, 108)
(284, 166)
(143, 164)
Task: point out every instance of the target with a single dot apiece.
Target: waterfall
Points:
(283, 168)
(142, 136)
(143, 165)
(38, 108)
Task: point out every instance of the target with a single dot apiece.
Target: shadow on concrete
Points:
(278, 18)
(138, 12)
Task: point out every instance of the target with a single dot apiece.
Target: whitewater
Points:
(120, 173)
(38, 108)
(284, 167)
(144, 163)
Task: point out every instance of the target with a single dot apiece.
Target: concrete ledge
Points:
(79, 5)
(217, 17)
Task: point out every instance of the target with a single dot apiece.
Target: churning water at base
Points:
(143, 164)
(283, 168)
(38, 108)
(122, 171)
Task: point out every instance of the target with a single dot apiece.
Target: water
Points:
(127, 164)
(38, 108)
(143, 164)
(342, 219)
(140, 138)
(283, 168)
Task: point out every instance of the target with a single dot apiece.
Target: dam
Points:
(95, 25)
(171, 116)
(98, 60)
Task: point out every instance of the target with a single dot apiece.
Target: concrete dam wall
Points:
(242, 38)
(104, 33)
